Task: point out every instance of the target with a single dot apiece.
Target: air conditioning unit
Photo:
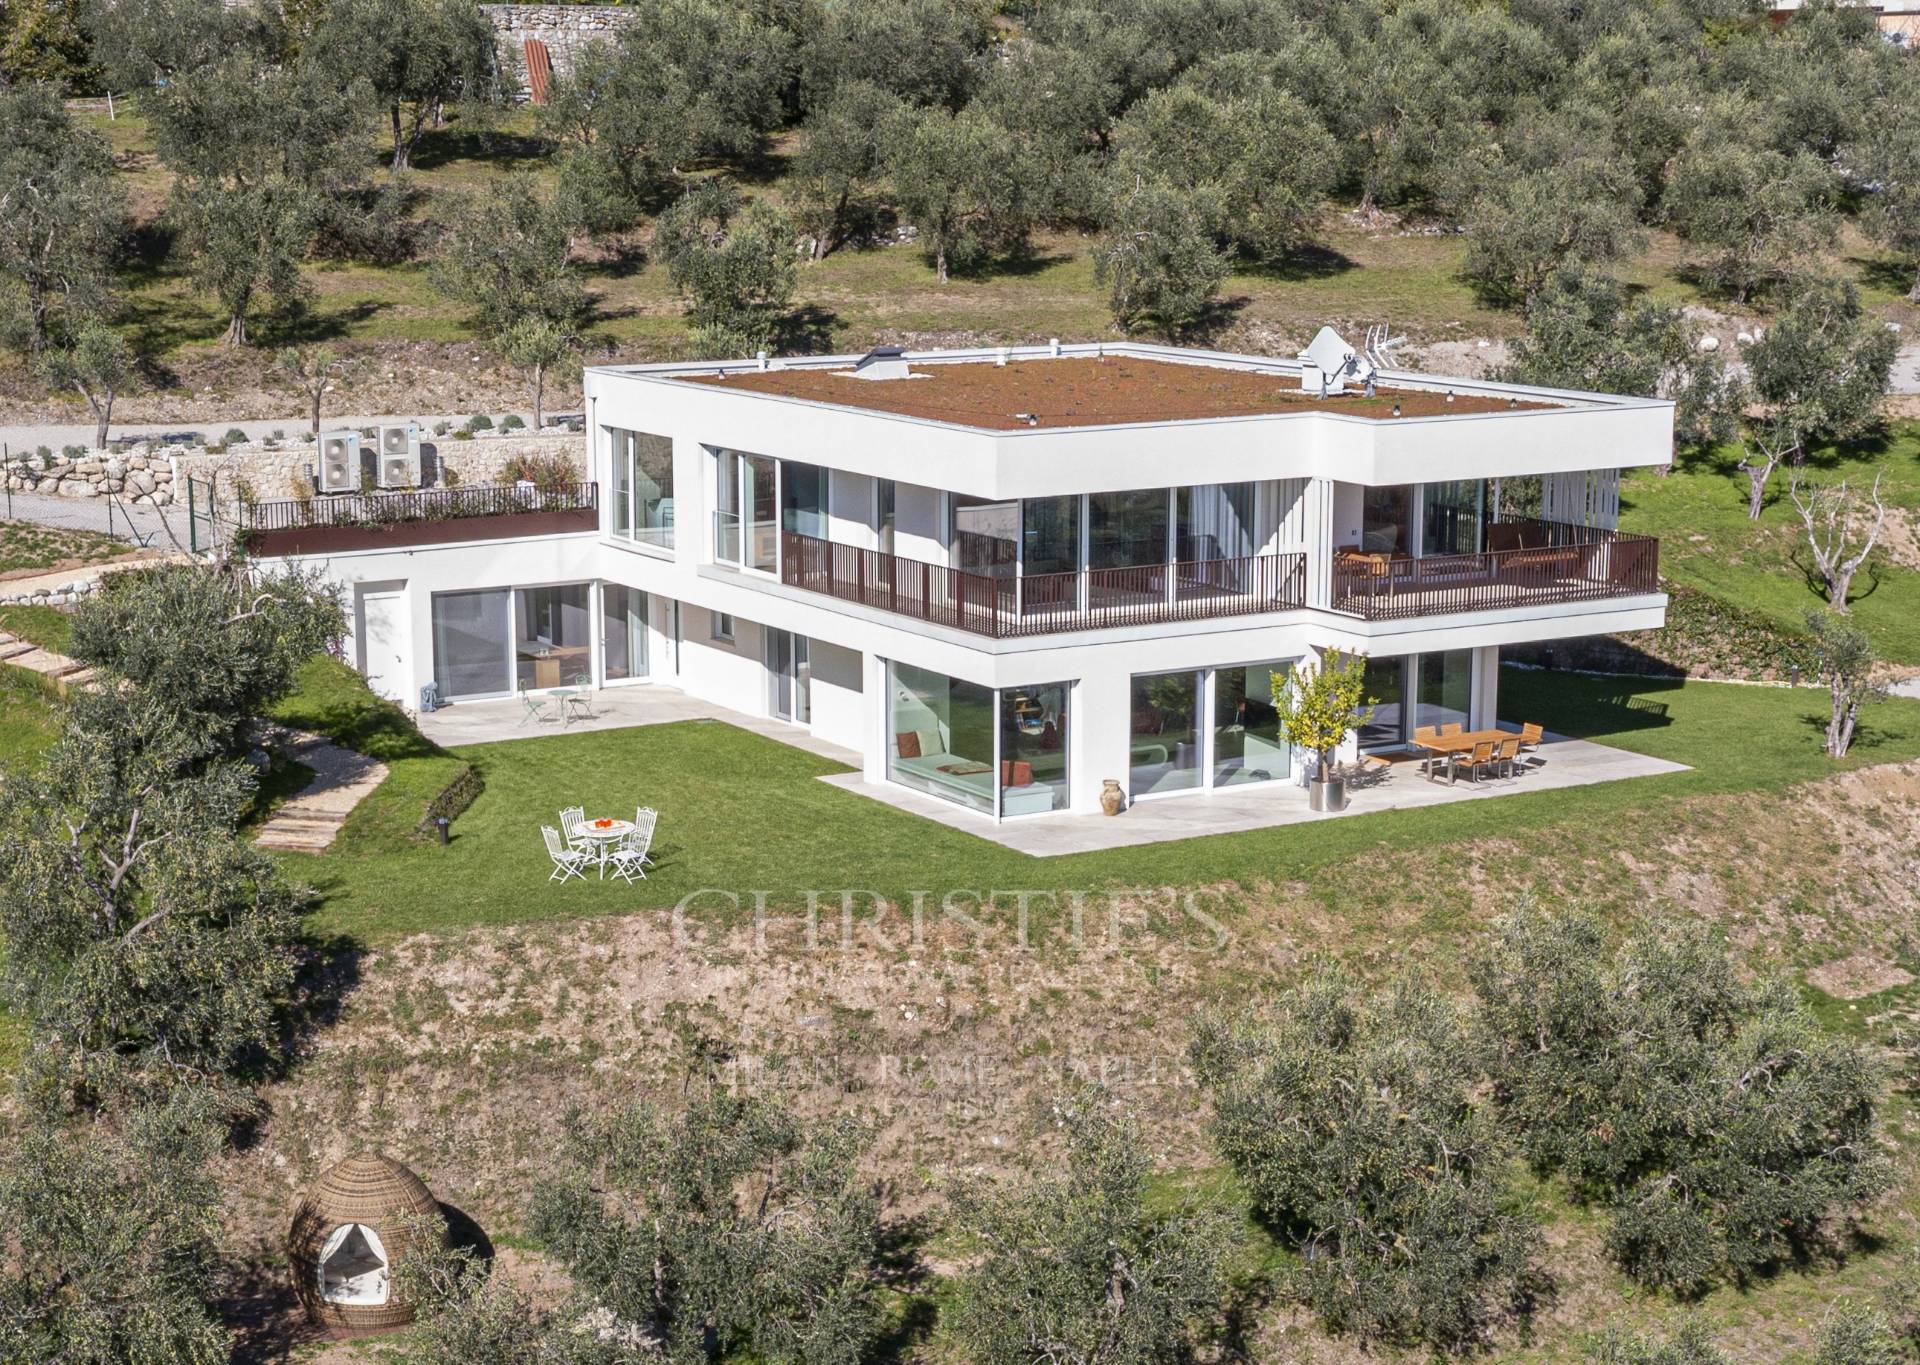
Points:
(339, 462)
(400, 456)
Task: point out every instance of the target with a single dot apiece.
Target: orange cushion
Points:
(907, 744)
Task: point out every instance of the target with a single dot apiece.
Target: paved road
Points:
(26, 439)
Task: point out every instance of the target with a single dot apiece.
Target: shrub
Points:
(463, 435)
(441, 428)
(1355, 1124)
(512, 422)
(74, 452)
(1714, 1116)
(46, 455)
(1043, 1285)
(545, 470)
(235, 437)
(479, 422)
(279, 433)
(449, 476)
(1856, 1333)
(1689, 1345)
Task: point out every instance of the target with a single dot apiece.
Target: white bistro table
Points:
(602, 837)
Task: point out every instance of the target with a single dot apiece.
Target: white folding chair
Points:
(630, 859)
(570, 821)
(566, 861)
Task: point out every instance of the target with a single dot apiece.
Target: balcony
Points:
(1529, 563)
(1005, 607)
(334, 523)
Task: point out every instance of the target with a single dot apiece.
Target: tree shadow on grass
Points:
(441, 147)
(1881, 272)
(1019, 264)
(309, 326)
(806, 330)
(1309, 262)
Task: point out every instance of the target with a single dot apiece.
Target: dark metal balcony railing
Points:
(1536, 562)
(1044, 604)
(426, 504)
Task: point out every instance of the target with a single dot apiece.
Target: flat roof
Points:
(1084, 391)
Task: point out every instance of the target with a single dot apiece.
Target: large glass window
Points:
(1385, 516)
(885, 500)
(1050, 531)
(1446, 687)
(1166, 736)
(984, 536)
(642, 486)
(1386, 685)
(763, 539)
(1033, 749)
(1453, 518)
(940, 736)
(803, 499)
(1247, 743)
(1127, 529)
(472, 642)
(1215, 521)
(726, 506)
(623, 632)
(554, 639)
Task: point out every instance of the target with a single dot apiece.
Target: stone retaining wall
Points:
(267, 471)
(565, 29)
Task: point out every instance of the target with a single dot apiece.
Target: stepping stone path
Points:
(308, 822)
(58, 668)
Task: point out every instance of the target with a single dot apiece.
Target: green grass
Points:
(45, 626)
(29, 721)
(27, 546)
(331, 699)
(1700, 514)
(743, 814)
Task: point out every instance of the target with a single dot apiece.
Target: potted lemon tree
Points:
(1320, 705)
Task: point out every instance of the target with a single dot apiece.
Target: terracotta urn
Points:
(1111, 797)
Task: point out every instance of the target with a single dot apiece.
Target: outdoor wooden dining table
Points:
(1463, 741)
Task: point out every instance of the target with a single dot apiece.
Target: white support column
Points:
(1318, 526)
(1484, 708)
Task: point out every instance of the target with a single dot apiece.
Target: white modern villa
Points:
(1005, 576)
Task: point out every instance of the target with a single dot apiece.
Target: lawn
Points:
(1699, 511)
(45, 626)
(28, 721)
(742, 814)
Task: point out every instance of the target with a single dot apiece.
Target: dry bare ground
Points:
(459, 1055)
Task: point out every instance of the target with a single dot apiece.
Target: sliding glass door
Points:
(789, 676)
(1004, 751)
(473, 643)
(623, 632)
(553, 640)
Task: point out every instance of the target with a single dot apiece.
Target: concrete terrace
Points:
(1560, 763)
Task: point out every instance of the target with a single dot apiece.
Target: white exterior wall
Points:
(1311, 466)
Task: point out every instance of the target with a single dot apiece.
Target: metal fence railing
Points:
(433, 504)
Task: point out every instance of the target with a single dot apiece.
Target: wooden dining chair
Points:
(1452, 727)
(1424, 735)
(1530, 735)
(1508, 757)
(1481, 757)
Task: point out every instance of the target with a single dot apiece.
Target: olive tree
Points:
(1856, 1333)
(958, 179)
(417, 56)
(536, 345)
(1158, 261)
(1818, 373)
(1528, 223)
(733, 1228)
(681, 81)
(1690, 1344)
(1584, 331)
(1074, 1268)
(111, 1235)
(1888, 154)
(1847, 662)
(1757, 212)
(62, 213)
(734, 266)
(1713, 1117)
(506, 254)
(1356, 1124)
(838, 169)
(96, 363)
(314, 372)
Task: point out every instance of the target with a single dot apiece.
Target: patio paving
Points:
(1561, 762)
(613, 708)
